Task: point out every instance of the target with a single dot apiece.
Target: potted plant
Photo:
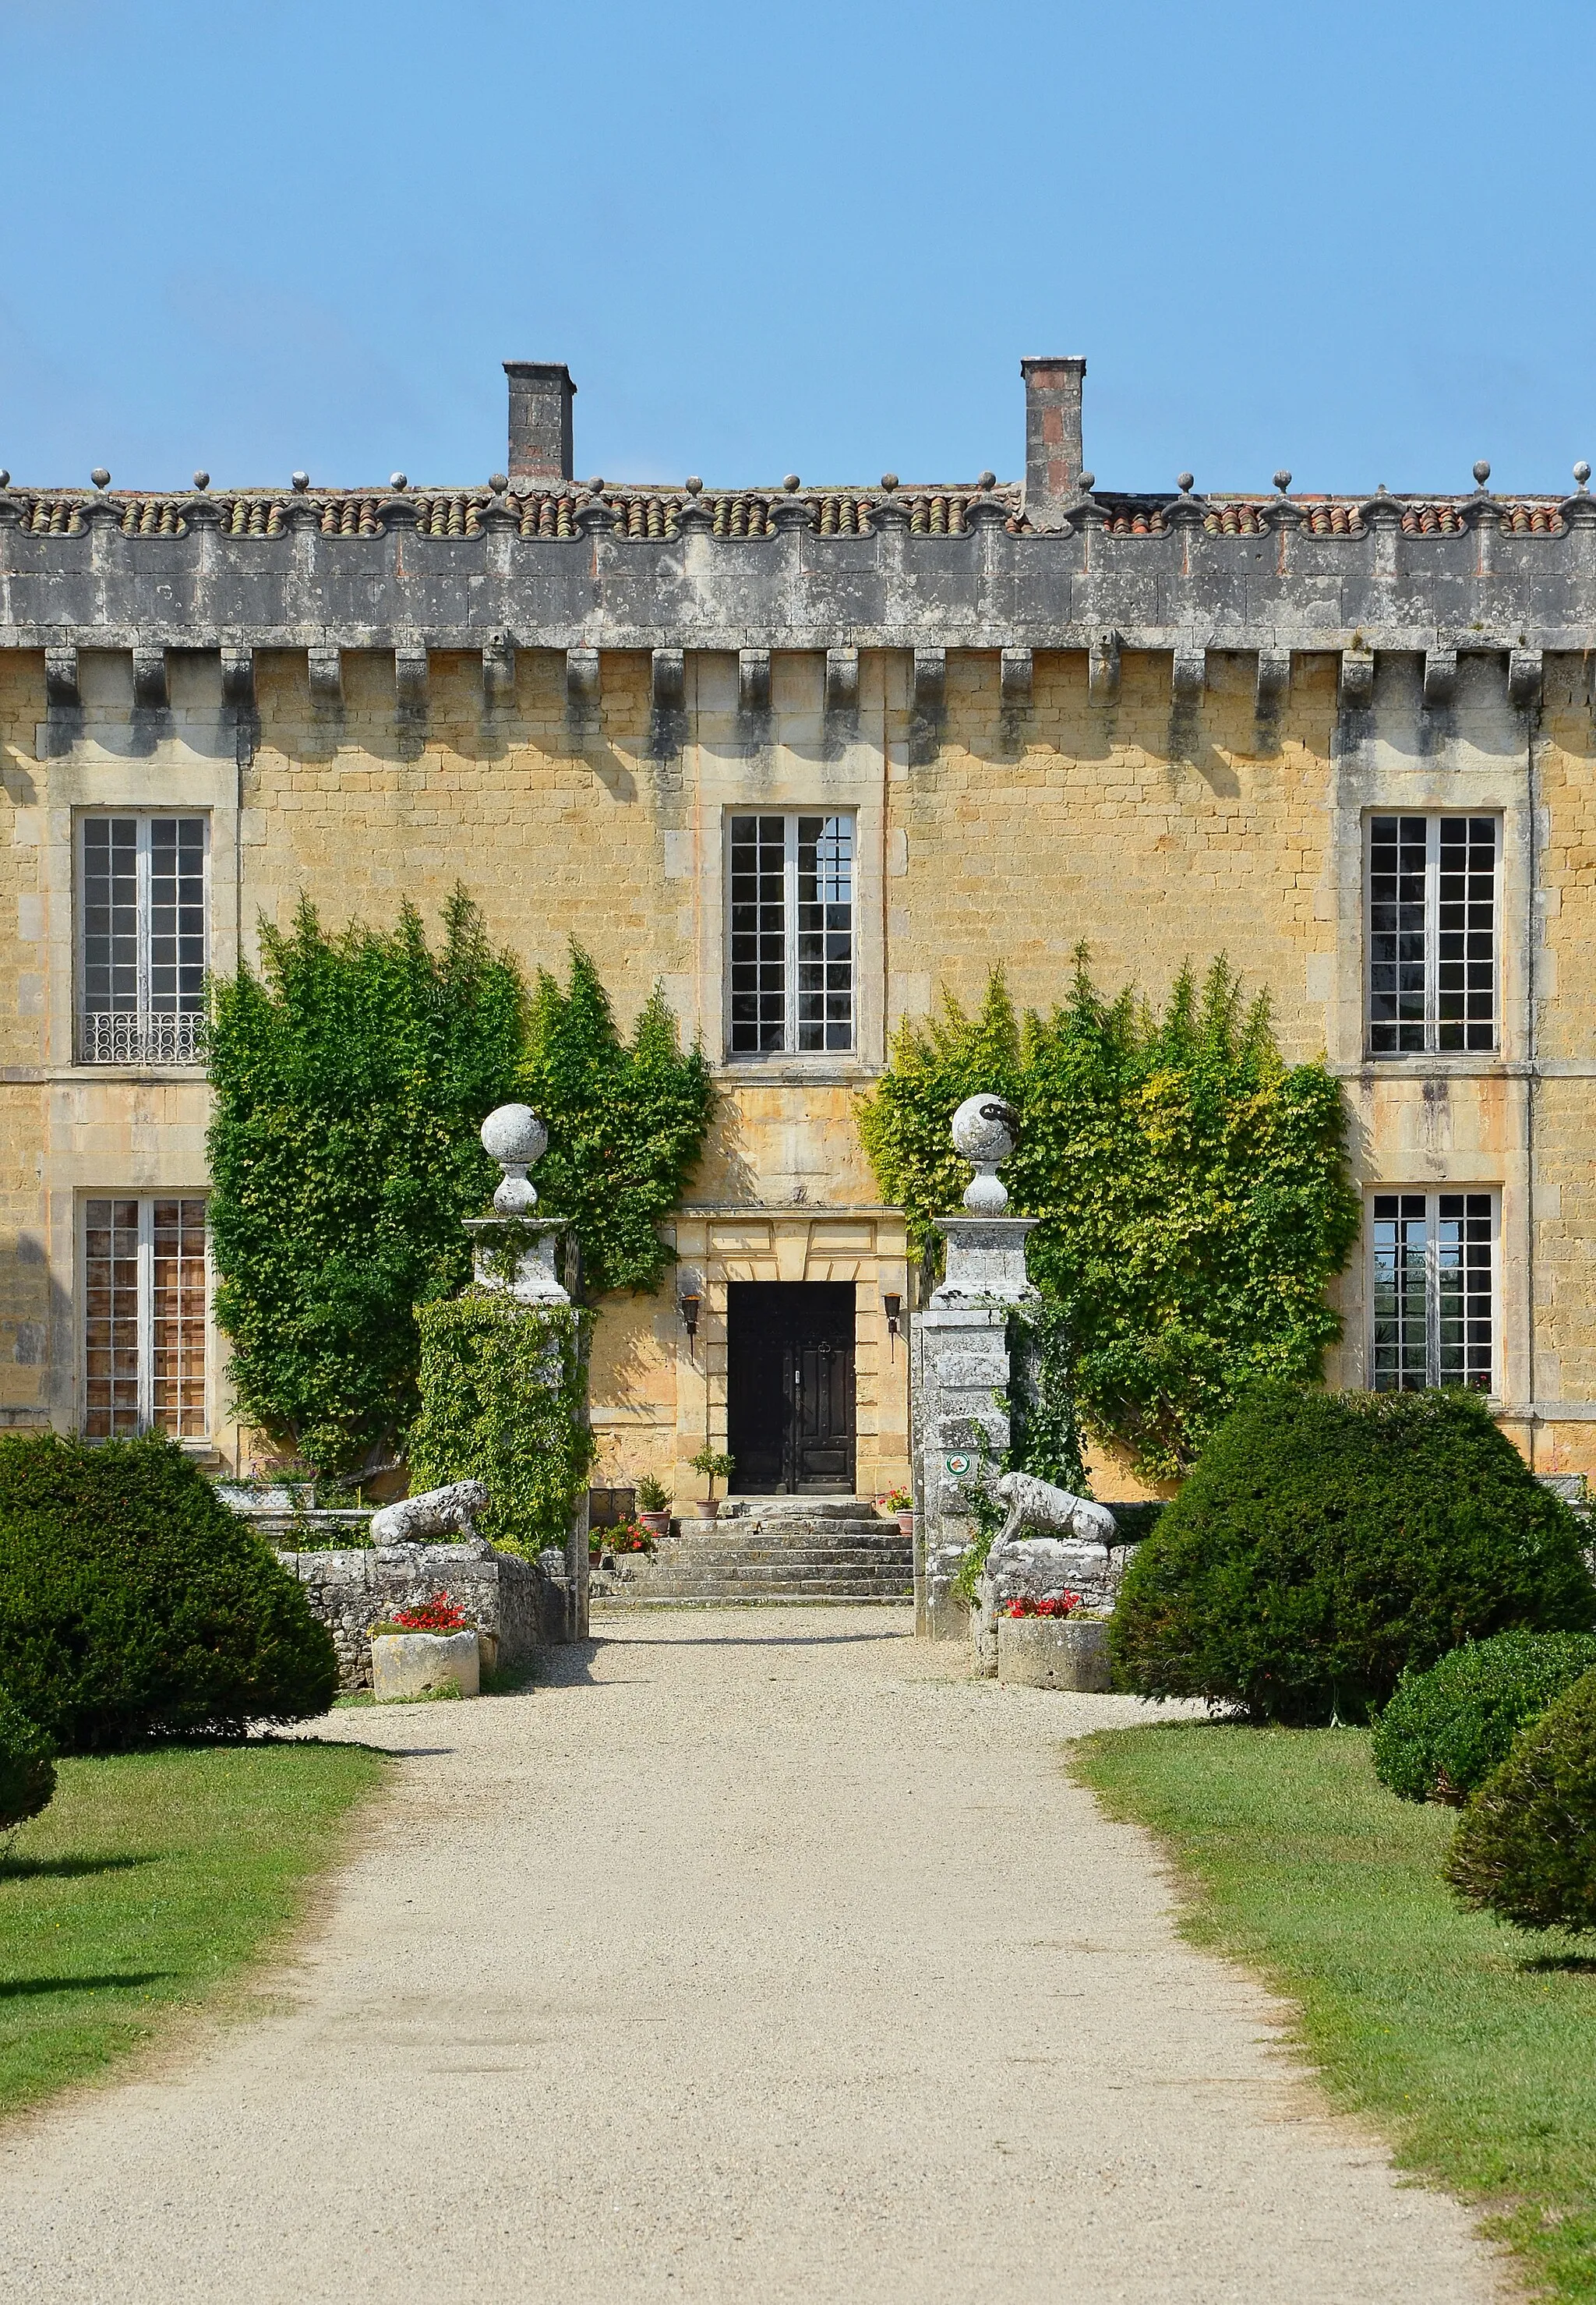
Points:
(653, 1505)
(420, 1652)
(1048, 1641)
(901, 1505)
(716, 1465)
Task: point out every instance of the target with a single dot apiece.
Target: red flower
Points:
(437, 1615)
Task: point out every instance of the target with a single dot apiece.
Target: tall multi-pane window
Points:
(1433, 1290)
(142, 907)
(1432, 934)
(144, 1317)
(791, 934)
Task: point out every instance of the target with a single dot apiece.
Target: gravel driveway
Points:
(763, 1957)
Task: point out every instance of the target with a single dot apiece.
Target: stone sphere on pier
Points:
(513, 1135)
(983, 1132)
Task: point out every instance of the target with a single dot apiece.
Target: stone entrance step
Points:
(809, 1549)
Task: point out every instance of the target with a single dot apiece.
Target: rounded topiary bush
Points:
(134, 1605)
(27, 1766)
(1526, 1846)
(1325, 1541)
(1445, 1730)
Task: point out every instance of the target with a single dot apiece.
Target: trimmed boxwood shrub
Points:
(134, 1605)
(1445, 1730)
(27, 1766)
(1525, 1847)
(1325, 1541)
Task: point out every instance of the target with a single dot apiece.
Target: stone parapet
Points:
(513, 1600)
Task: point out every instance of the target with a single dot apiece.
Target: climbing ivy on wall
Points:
(1192, 1191)
(503, 1392)
(626, 1122)
(350, 1078)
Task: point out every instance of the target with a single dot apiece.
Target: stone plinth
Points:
(1054, 1653)
(519, 1254)
(959, 1371)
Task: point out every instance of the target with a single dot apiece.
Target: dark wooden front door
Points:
(790, 1386)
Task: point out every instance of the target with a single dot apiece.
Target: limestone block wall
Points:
(351, 1591)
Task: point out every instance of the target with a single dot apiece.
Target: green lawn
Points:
(1468, 2045)
(148, 1881)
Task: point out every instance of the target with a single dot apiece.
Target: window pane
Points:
(143, 986)
(1401, 1356)
(111, 1318)
(825, 932)
(111, 915)
(1432, 934)
(1463, 1312)
(1465, 935)
(1396, 934)
(177, 1318)
(758, 934)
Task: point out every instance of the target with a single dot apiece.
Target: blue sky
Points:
(1355, 240)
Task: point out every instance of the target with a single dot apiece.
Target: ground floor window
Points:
(1433, 1290)
(144, 1300)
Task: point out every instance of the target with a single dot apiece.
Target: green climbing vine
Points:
(1191, 1189)
(504, 1390)
(626, 1121)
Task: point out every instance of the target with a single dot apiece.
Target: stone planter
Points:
(1054, 1653)
(704, 1509)
(657, 1524)
(408, 1664)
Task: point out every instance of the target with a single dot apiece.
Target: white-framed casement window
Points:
(144, 1307)
(790, 934)
(1433, 1290)
(142, 906)
(1432, 914)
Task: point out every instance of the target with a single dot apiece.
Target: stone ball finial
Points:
(100, 477)
(1482, 472)
(398, 481)
(4, 478)
(1088, 482)
(1582, 473)
(498, 483)
(513, 1135)
(695, 486)
(790, 482)
(1185, 482)
(890, 481)
(983, 1133)
(987, 481)
(202, 480)
(1282, 479)
(595, 484)
(302, 482)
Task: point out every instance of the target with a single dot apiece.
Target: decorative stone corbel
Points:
(582, 680)
(410, 675)
(930, 683)
(498, 667)
(1524, 672)
(238, 676)
(326, 678)
(753, 682)
(61, 676)
(1014, 679)
(1440, 678)
(1274, 680)
(149, 678)
(1102, 679)
(841, 682)
(1356, 686)
(1189, 677)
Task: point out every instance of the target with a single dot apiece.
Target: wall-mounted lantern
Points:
(689, 1304)
(893, 1306)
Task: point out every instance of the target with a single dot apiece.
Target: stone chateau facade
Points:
(807, 755)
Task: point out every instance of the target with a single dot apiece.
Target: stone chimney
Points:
(540, 397)
(1053, 453)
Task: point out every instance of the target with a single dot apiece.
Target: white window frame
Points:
(790, 1049)
(1433, 819)
(136, 1037)
(144, 1311)
(1432, 1198)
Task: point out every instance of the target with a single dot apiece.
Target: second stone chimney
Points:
(1053, 450)
(540, 397)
